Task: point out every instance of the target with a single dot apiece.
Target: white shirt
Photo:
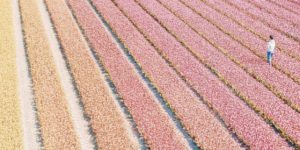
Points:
(271, 46)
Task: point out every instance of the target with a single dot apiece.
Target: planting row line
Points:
(56, 125)
(214, 92)
(288, 45)
(284, 44)
(108, 124)
(277, 11)
(235, 76)
(257, 46)
(168, 83)
(270, 8)
(278, 24)
(249, 62)
(282, 63)
(11, 135)
(152, 122)
(274, 80)
(287, 5)
(173, 101)
(228, 70)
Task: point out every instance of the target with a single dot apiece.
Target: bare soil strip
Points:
(80, 124)
(107, 122)
(29, 117)
(55, 121)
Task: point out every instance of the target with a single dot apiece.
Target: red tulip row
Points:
(152, 122)
(52, 110)
(277, 11)
(278, 24)
(290, 6)
(245, 59)
(108, 124)
(232, 73)
(214, 91)
(210, 133)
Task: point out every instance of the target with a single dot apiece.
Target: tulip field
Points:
(149, 74)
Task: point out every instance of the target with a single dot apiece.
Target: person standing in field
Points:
(270, 50)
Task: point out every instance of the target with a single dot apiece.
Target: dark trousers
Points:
(269, 57)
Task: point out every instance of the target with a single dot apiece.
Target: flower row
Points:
(51, 104)
(108, 124)
(196, 74)
(152, 121)
(234, 74)
(268, 19)
(11, 134)
(172, 88)
(232, 38)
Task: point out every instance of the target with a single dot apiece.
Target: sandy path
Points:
(56, 125)
(108, 123)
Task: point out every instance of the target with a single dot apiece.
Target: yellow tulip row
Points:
(10, 122)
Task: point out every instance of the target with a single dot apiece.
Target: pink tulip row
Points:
(287, 45)
(290, 6)
(260, 31)
(281, 62)
(277, 82)
(277, 11)
(276, 23)
(106, 120)
(192, 113)
(152, 122)
(236, 76)
(215, 92)
(183, 100)
(296, 2)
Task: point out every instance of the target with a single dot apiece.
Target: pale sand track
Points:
(56, 126)
(121, 74)
(79, 123)
(108, 122)
(29, 120)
